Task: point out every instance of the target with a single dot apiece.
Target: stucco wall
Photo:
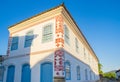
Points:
(37, 44)
(36, 60)
(40, 52)
(83, 53)
(76, 62)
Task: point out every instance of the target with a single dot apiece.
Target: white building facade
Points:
(118, 74)
(49, 47)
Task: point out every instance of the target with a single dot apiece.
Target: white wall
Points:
(88, 58)
(78, 58)
(34, 61)
(118, 74)
(37, 45)
(74, 63)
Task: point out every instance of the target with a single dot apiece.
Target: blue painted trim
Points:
(78, 76)
(28, 78)
(15, 42)
(69, 78)
(41, 69)
(86, 74)
(28, 39)
(10, 75)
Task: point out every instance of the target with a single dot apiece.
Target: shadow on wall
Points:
(87, 71)
(19, 52)
(43, 69)
(27, 69)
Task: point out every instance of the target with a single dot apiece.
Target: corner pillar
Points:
(59, 73)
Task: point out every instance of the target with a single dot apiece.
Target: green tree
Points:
(100, 68)
(110, 75)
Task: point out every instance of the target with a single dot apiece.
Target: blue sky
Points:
(99, 20)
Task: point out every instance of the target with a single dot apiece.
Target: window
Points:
(78, 73)
(14, 45)
(86, 75)
(67, 70)
(90, 75)
(47, 34)
(26, 73)
(10, 74)
(76, 44)
(66, 32)
(94, 76)
(84, 53)
(28, 39)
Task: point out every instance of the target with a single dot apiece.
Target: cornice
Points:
(61, 5)
(68, 18)
(51, 13)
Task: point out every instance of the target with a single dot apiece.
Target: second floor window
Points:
(66, 36)
(84, 53)
(28, 39)
(76, 45)
(14, 45)
(47, 34)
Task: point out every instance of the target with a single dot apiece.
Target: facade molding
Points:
(70, 21)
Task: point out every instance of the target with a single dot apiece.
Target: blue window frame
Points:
(10, 74)
(86, 75)
(14, 45)
(28, 39)
(67, 70)
(26, 73)
(78, 73)
(47, 33)
(66, 32)
(90, 75)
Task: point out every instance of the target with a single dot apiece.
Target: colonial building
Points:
(49, 47)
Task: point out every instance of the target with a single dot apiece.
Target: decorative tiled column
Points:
(59, 32)
(59, 54)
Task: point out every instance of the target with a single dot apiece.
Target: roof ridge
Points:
(37, 14)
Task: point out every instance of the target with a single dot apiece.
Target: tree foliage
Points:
(100, 69)
(110, 75)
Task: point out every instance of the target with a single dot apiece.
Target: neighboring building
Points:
(49, 47)
(1, 69)
(1, 60)
(118, 74)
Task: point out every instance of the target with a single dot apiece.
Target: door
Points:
(46, 72)
(10, 73)
(26, 73)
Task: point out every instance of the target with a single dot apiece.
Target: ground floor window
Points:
(86, 75)
(78, 73)
(67, 70)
